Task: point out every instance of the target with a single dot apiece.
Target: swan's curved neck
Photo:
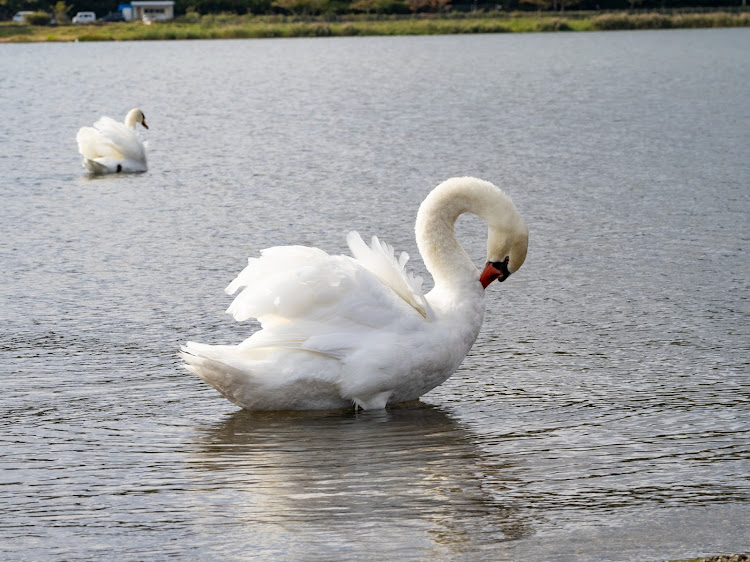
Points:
(443, 255)
(131, 118)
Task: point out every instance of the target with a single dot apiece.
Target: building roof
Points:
(152, 3)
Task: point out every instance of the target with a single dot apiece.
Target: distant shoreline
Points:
(224, 26)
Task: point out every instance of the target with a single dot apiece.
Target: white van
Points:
(20, 17)
(84, 17)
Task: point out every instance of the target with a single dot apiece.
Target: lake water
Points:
(604, 412)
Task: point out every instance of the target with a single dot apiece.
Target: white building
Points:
(152, 10)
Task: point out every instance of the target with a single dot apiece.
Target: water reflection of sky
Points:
(405, 482)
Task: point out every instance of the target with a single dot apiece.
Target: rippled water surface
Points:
(604, 412)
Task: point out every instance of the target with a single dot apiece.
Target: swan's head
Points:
(507, 241)
(506, 250)
(135, 116)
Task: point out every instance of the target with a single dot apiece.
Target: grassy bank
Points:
(236, 27)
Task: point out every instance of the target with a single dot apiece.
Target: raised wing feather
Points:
(123, 137)
(380, 259)
(308, 299)
(93, 145)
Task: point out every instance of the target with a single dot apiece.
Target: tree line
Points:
(62, 11)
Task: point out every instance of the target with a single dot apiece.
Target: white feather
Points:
(110, 147)
(337, 330)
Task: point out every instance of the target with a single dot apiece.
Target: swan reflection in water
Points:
(407, 480)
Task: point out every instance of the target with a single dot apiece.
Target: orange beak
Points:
(494, 270)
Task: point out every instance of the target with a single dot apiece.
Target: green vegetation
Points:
(676, 21)
(230, 26)
(38, 18)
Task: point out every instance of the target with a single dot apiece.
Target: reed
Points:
(230, 26)
(607, 22)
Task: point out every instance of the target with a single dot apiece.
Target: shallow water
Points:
(603, 412)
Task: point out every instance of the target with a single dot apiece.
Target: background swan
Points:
(110, 147)
(338, 330)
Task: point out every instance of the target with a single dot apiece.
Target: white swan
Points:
(338, 331)
(110, 147)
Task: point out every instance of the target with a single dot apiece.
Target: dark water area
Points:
(602, 413)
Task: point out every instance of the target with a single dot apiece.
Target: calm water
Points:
(604, 412)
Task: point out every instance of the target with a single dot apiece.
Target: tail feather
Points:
(219, 374)
(236, 376)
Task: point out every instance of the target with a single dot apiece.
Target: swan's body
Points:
(338, 330)
(110, 147)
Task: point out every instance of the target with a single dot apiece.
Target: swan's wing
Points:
(110, 139)
(93, 145)
(380, 259)
(124, 137)
(307, 299)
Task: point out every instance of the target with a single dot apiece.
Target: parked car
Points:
(84, 17)
(20, 17)
(113, 16)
